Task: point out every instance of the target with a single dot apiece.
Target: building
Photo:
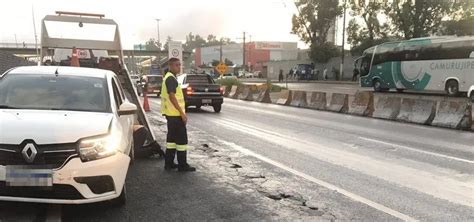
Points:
(256, 53)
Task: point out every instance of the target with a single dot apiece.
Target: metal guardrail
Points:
(19, 45)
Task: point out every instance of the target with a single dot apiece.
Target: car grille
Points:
(57, 191)
(50, 156)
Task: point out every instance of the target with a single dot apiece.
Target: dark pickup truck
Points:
(201, 90)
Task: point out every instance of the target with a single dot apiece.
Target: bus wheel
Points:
(400, 90)
(377, 85)
(452, 87)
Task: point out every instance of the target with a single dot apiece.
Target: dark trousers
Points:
(177, 136)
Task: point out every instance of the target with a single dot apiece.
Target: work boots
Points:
(169, 159)
(183, 165)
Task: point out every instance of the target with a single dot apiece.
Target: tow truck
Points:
(50, 45)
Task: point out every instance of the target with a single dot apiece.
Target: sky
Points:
(263, 20)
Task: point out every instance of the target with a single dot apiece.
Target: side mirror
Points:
(127, 109)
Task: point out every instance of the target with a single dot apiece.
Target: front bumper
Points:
(66, 180)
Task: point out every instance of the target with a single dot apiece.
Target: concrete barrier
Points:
(264, 95)
(285, 97)
(453, 114)
(387, 107)
(417, 110)
(317, 100)
(227, 90)
(299, 99)
(363, 104)
(235, 92)
(339, 103)
(246, 94)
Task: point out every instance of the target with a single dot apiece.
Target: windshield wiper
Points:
(7, 107)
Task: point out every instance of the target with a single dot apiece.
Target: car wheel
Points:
(122, 199)
(377, 85)
(472, 96)
(217, 108)
(400, 90)
(198, 107)
(452, 87)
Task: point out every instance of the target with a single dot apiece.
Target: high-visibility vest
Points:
(167, 107)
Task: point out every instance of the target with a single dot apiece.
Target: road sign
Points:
(175, 50)
(221, 68)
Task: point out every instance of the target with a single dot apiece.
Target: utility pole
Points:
(36, 36)
(243, 57)
(158, 30)
(343, 41)
(250, 52)
(159, 45)
(220, 52)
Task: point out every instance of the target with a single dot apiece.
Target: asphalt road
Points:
(410, 172)
(267, 162)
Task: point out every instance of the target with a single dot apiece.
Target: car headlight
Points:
(97, 147)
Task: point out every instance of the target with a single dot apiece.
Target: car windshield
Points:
(199, 79)
(155, 79)
(49, 92)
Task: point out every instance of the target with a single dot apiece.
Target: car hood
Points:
(50, 127)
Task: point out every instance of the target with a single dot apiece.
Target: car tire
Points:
(132, 152)
(400, 90)
(198, 107)
(377, 85)
(217, 108)
(120, 200)
(472, 97)
(452, 87)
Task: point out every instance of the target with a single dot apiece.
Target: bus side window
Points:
(365, 66)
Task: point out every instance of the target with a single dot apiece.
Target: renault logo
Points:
(29, 152)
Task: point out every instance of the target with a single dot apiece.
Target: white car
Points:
(65, 135)
(228, 76)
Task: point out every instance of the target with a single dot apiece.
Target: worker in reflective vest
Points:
(173, 108)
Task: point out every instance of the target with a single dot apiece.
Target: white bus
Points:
(432, 64)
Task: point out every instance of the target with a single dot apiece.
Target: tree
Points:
(462, 20)
(228, 62)
(168, 40)
(215, 62)
(193, 41)
(196, 41)
(368, 10)
(462, 27)
(152, 44)
(356, 35)
(420, 18)
(312, 25)
(226, 41)
(323, 53)
(370, 32)
(212, 40)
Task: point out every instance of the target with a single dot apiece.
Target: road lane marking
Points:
(325, 184)
(321, 123)
(437, 185)
(417, 150)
